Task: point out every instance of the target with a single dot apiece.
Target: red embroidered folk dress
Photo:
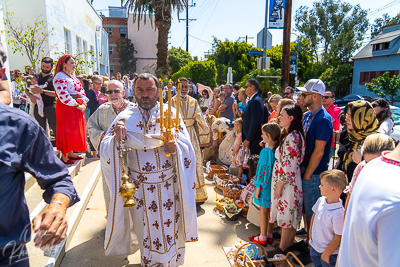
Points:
(71, 134)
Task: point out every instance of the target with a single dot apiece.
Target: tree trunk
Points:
(162, 13)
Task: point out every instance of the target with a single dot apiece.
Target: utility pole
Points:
(246, 38)
(187, 23)
(286, 43)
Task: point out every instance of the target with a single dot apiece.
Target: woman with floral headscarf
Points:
(361, 122)
(70, 107)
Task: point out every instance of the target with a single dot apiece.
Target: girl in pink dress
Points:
(238, 151)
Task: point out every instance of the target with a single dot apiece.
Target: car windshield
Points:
(396, 116)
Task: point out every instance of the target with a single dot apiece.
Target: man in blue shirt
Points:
(24, 147)
(318, 129)
(225, 108)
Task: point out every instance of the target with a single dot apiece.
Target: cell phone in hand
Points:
(103, 89)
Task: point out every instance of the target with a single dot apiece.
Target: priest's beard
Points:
(116, 101)
(46, 71)
(149, 104)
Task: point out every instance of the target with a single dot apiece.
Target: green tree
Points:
(379, 23)
(126, 51)
(28, 39)
(82, 61)
(161, 10)
(386, 87)
(177, 58)
(272, 84)
(233, 54)
(204, 72)
(336, 26)
(339, 77)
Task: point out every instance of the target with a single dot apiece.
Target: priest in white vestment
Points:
(199, 134)
(164, 215)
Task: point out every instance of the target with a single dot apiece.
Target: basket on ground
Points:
(232, 187)
(218, 169)
(278, 262)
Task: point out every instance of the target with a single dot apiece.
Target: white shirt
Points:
(371, 231)
(328, 222)
(386, 127)
(251, 97)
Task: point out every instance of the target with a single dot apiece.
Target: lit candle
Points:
(178, 102)
(161, 104)
(169, 104)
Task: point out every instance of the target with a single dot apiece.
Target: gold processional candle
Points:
(161, 104)
(178, 101)
(169, 104)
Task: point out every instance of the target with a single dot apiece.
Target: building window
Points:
(110, 50)
(381, 46)
(84, 47)
(367, 76)
(78, 45)
(93, 58)
(109, 31)
(111, 69)
(67, 42)
(122, 32)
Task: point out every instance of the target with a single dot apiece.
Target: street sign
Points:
(255, 53)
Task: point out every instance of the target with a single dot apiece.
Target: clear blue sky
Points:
(231, 19)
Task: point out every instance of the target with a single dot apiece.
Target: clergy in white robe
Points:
(99, 122)
(164, 216)
(199, 135)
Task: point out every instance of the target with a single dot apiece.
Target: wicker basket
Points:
(218, 169)
(245, 210)
(237, 264)
(232, 192)
(221, 180)
(278, 263)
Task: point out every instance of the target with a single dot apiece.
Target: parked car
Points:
(396, 117)
(349, 98)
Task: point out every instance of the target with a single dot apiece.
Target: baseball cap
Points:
(313, 86)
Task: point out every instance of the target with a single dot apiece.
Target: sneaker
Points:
(300, 246)
(304, 257)
(302, 231)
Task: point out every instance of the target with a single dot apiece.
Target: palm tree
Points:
(162, 19)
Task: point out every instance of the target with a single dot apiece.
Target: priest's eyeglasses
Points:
(109, 92)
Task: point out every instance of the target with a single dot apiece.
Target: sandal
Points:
(75, 158)
(68, 161)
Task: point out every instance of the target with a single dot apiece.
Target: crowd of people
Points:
(282, 146)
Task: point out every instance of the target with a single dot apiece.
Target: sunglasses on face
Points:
(97, 83)
(305, 95)
(375, 105)
(286, 94)
(109, 92)
(326, 97)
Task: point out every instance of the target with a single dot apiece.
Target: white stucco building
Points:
(75, 27)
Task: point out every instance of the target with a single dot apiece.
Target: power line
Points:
(382, 8)
(200, 39)
(208, 21)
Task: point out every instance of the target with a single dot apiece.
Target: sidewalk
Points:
(86, 248)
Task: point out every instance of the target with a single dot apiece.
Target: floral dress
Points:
(287, 210)
(237, 160)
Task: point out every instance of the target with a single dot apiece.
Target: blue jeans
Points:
(318, 262)
(311, 193)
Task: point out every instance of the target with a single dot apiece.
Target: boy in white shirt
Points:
(328, 219)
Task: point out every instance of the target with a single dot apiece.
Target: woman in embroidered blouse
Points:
(70, 107)
(287, 200)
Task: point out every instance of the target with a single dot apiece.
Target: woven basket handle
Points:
(226, 188)
(247, 259)
(246, 244)
(294, 256)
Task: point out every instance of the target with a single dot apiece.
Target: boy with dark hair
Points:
(327, 221)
